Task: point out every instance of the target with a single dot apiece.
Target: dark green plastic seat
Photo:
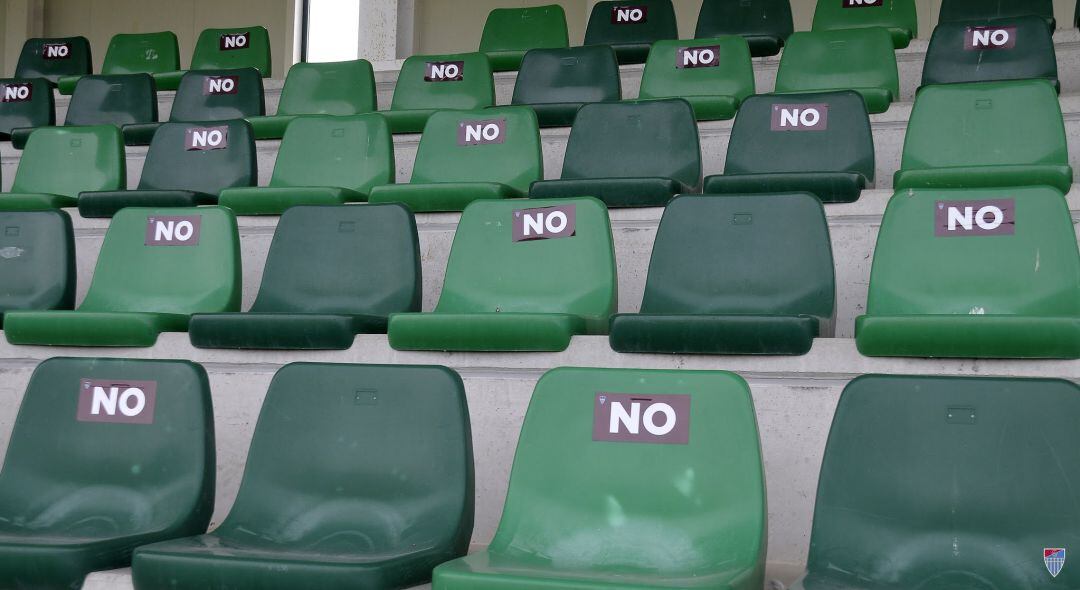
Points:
(334, 88)
(61, 162)
(630, 154)
(862, 60)
(529, 294)
(37, 260)
(53, 58)
(947, 483)
(586, 513)
(557, 82)
(1007, 288)
(510, 32)
(991, 134)
(1022, 48)
(899, 17)
(358, 476)
(88, 476)
(195, 101)
(416, 97)
(765, 24)
(323, 160)
(451, 171)
(29, 103)
(631, 28)
(221, 49)
(746, 274)
(174, 176)
(820, 143)
(331, 273)
(978, 10)
(714, 88)
(141, 289)
(135, 53)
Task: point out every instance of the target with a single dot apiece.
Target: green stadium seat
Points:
(862, 60)
(630, 154)
(225, 49)
(335, 88)
(765, 24)
(106, 454)
(522, 276)
(713, 75)
(1008, 287)
(367, 267)
(991, 134)
(184, 167)
(61, 162)
(510, 32)
(631, 29)
(139, 53)
(820, 143)
(323, 160)
(468, 155)
(358, 476)
(557, 82)
(37, 260)
(773, 294)
(971, 11)
(54, 58)
(1015, 48)
(947, 482)
(429, 83)
(208, 95)
(157, 267)
(26, 102)
(589, 508)
(899, 17)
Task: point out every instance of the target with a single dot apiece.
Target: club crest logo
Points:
(1054, 559)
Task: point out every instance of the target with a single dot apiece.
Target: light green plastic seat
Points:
(862, 60)
(510, 32)
(529, 294)
(417, 95)
(714, 87)
(37, 260)
(452, 170)
(53, 58)
(899, 17)
(630, 28)
(656, 511)
(1007, 288)
(991, 134)
(61, 162)
(323, 160)
(221, 49)
(141, 287)
(333, 88)
(978, 10)
(135, 53)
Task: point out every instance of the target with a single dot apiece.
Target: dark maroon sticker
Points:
(56, 50)
(231, 41)
(444, 71)
(544, 223)
(206, 138)
(800, 117)
(656, 419)
(698, 57)
(125, 402)
(173, 230)
(990, 217)
(480, 132)
(629, 14)
(220, 85)
(980, 38)
(862, 3)
(16, 92)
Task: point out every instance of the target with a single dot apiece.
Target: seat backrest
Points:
(25, 102)
(580, 497)
(1018, 257)
(1014, 48)
(343, 259)
(332, 88)
(169, 260)
(568, 75)
(814, 132)
(853, 14)
(334, 440)
(142, 53)
(232, 48)
(354, 152)
(986, 124)
(613, 22)
(965, 477)
(841, 59)
(973, 11)
(37, 260)
(510, 29)
(536, 256)
(769, 254)
(458, 81)
(748, 18)
(69, 160)
(113, 100)
(54, 57)
(653, 138)
(500, 145)
(203, 157)
(112, 447)
(702, 67)
(218, 95)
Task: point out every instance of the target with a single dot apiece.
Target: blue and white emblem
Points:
(1054, 559)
